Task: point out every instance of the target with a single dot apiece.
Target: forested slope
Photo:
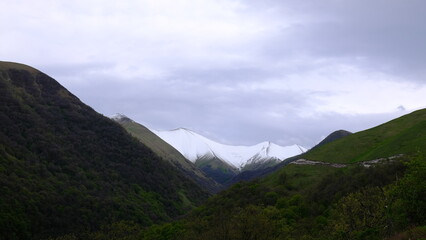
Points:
(384, 201)
(65, 168)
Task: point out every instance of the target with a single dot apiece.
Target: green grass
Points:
(404, 135)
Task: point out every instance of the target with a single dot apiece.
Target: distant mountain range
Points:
(225, 162)
(196, 147)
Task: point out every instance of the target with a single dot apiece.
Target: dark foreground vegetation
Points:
(304, 202)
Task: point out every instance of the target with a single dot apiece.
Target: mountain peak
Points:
(118, 117)
(181, 129)
(333, 137)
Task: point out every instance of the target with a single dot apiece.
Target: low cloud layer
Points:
(240, 72)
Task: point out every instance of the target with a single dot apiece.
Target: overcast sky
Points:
(239, 72)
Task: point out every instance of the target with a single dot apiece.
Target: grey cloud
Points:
(304, 131)
(233, 117)
(387, 35)
(63, 70)
(231, 74)
(195, 99)
(166, 79)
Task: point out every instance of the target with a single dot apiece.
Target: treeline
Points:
(382, 202)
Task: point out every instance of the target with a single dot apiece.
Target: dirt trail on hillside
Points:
(366, 164)
(309, 162)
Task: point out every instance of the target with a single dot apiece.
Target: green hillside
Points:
(386, 201)
(66, 169)
(67, 173)
(168, 153)
(383, 201)
(404, 135)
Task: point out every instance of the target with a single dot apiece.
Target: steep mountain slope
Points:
(65, 168)
(194, 146)
(167, 152)
(404, 135)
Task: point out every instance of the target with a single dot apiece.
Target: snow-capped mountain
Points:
(195, 147)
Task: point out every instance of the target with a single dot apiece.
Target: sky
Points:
(238, 72)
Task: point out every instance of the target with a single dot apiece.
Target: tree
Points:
(409, 194)
(361, 215)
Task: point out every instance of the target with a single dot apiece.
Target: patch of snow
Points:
(118, 116)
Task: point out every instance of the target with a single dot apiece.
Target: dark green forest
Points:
(303, 202)
(350, 203)
(65, 168)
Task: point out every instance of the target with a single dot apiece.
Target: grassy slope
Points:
(319, 186)
(404, 135)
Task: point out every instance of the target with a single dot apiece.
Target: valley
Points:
(67, 172)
